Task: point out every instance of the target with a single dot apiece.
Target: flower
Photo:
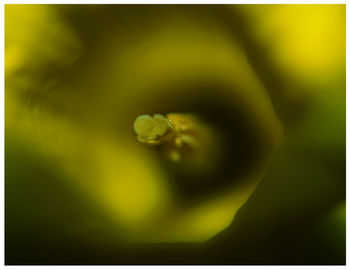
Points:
(72, 100)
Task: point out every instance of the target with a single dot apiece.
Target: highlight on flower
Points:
(149, 128)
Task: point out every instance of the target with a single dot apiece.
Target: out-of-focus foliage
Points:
(78, 76)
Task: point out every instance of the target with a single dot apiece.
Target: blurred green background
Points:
(79, 187)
